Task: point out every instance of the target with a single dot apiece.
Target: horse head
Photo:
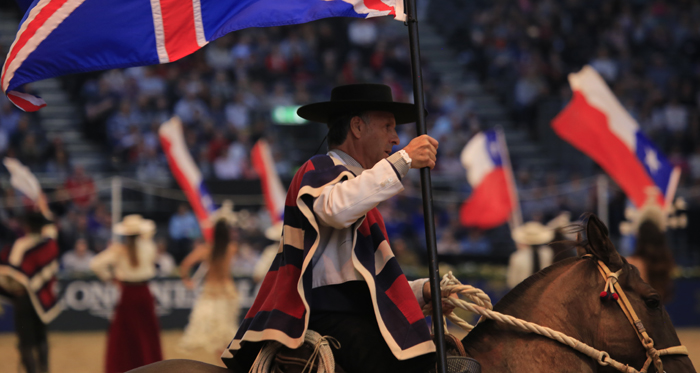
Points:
(616, 334)
(566, 297)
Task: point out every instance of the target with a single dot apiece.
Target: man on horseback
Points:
(335, 272)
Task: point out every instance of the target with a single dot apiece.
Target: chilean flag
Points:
(60, 37)
(596, 123)
(186, 173)
(493, 198)
(273, 191)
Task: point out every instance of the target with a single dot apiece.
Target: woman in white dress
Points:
(134, 334)
(214, 318)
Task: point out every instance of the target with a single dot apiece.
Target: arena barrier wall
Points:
(89, 302)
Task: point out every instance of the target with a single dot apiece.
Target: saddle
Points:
(307, 357)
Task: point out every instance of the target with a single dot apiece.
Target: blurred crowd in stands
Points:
(648, 51)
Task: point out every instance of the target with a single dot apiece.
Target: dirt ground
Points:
(84, 352)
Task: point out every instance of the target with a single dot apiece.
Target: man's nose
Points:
(395, 140)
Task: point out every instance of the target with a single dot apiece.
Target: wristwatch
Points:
(405, 157)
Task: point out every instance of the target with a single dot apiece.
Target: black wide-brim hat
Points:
(354, 98)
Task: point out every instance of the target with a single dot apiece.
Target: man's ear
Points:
(356, 126)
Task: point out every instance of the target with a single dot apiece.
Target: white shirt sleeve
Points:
(342, 204)
(417, 287)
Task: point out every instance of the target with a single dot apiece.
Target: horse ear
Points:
(599, 244)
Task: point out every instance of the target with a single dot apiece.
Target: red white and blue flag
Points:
(60, 37)
(186, 173)
(598, 125)
(273, 191)
(494, 197)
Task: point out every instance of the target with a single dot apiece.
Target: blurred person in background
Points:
(214, 317)
(99, 223)
(72, 226)
(77, 261)
(9, 116)
(134, 334)
(651, 255)
(81, 189)
(183, 230)
(475, 243)
(247, 257)
(165, 264)
(28, 268)
(532, 253)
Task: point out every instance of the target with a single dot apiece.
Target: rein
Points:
(482, 306)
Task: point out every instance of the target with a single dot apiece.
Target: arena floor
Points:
(83, 352)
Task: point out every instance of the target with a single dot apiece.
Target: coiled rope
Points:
(322, 352)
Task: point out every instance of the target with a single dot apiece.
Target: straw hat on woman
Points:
(134, 335)
(532, 254)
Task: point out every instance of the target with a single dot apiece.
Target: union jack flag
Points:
(60, 37)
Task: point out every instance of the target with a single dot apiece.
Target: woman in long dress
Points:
(214, 317)
(652, 256)
(654, 259)
(134, 334)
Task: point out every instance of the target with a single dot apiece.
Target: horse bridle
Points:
(653, 355)
(482, 306)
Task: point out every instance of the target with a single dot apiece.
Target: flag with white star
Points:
(494, 198)
(598, 125)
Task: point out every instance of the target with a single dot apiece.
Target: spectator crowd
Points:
(522, 51)
(648, 51)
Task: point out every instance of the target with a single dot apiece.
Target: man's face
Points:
(379, 138)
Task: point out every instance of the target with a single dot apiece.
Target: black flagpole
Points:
(427, 191)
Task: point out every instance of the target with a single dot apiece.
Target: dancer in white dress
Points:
(214, 317)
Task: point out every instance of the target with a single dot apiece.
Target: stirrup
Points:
(462, 364)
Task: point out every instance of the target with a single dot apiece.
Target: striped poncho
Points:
(281, 310)
(31, 263)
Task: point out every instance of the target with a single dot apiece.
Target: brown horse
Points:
(566, 297)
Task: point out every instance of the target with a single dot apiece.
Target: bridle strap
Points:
(648, 343)
(625, 304)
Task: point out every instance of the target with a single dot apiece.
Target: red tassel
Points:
(615, 296)
(603, 294)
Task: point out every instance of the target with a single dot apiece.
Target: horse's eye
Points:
(652, 303)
